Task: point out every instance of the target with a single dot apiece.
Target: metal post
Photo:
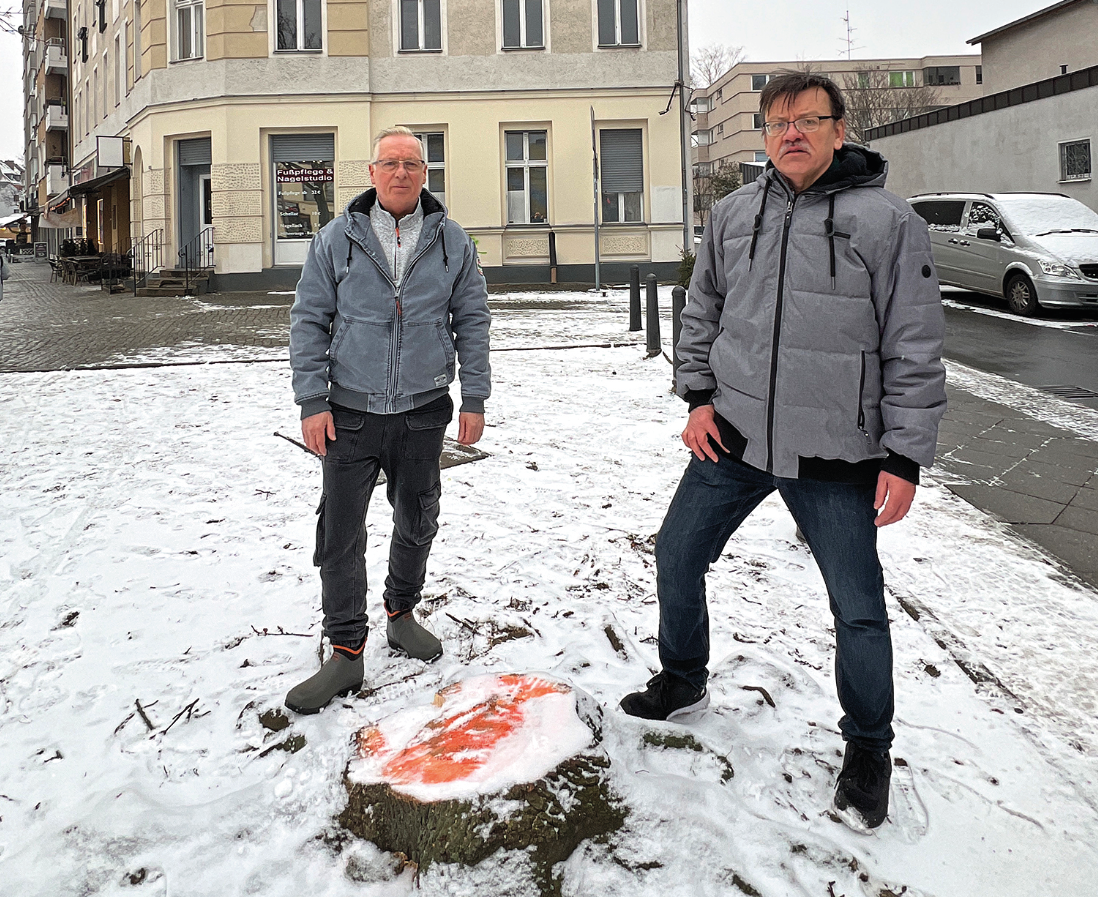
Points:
(595, 184)
(634, 298)
(678, 303)
(684, 134)
(653, 314)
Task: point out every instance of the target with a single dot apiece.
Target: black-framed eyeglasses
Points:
(805, 125)
(412, 166)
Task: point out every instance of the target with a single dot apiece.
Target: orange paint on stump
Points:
(452, 747)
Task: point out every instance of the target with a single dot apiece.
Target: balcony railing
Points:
(56, 179)
(57, 61)
(57, 118)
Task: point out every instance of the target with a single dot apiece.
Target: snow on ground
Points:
(157, 595)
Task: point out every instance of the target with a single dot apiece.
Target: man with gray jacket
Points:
(811, 361)
(391, 299)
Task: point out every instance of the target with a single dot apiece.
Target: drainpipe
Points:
(684, 136)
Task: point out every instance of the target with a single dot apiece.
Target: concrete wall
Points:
(1035, 50)
(1008, 149)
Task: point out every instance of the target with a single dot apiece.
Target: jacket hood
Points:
(365, 201)
(853, 166)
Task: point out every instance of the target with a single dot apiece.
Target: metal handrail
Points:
(197, 255)
(146, 257)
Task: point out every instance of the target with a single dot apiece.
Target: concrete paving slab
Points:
(1082, 520)
(1028, 483)
(1086, 497)
(1077, 551)
(1075, 476)
(1011, 507)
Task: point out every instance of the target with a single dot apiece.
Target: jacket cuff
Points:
(695, 398)
(471, 405)
(314, 406)
(898, 465)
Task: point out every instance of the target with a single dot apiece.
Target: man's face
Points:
(398, 191)
(802, 158)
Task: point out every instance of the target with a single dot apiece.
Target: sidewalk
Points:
(1040, 478)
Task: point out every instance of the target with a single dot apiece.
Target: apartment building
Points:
(251, 123)
(46, 106)
(728, 125)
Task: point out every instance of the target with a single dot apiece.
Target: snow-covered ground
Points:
(157, 595)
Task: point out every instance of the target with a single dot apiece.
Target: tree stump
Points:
(497, 762)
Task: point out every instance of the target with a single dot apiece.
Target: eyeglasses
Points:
(804, 125)
(412, 166)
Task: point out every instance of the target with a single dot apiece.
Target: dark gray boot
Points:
(338, 676)
(406, 635)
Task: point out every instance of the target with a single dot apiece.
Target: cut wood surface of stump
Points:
(496, 762)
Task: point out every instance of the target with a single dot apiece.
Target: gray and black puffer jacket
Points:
(814, 324)
(359, 340)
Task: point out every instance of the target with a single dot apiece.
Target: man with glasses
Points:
(391, 300)
(811, 361)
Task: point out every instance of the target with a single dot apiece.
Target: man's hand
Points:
(315, 429)
(701, 425)
(893, 499)
(470, 427)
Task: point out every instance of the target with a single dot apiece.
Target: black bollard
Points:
(652, 311)
(678, 303)
(634, 298)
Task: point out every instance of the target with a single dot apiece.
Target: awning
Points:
(74, 217)
(95, 183)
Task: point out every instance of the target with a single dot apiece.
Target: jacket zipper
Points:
(771, 404)
(861, 406)
(394, 339)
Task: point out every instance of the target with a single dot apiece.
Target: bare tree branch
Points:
(708, 63)
(874, 97)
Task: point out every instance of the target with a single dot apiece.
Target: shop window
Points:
(420, 24)
(304, 175)
(299, 25)
(527, 177)
(619, 23)
(189, 29)
(434, 151)
(522, 24)
(1075, 162)
(621, 159)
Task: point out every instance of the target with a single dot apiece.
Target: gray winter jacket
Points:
(358, 340)
(814, 322)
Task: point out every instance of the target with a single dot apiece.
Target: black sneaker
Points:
(665, 697)
(861, 792)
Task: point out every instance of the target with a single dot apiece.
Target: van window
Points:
(941, 214)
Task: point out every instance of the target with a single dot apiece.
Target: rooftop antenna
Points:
(849, 40)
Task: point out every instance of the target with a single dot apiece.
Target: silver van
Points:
(1033, 249)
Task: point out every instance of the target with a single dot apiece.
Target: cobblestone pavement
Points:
(1039, 478)
(55, 326)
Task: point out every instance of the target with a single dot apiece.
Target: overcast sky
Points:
(768, 30)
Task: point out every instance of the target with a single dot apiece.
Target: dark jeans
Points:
(407, 446)
(712, 500)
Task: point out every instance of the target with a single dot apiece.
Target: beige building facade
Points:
(728, 125)
(252, 123)
(1056, 40)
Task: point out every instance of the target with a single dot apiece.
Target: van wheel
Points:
(1020, 295)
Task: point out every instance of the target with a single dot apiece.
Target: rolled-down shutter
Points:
(194, 152)
(303, 148)
(622, 160)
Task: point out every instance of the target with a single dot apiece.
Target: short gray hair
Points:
(398, 131)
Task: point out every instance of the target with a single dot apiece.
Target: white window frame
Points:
(621, 196)
(755, 75)
(195, 29)
(524, 30)
(136, 40)
(119, 66)
(422, 135)
(272, 17)
(757, 121)
(907, 77)
(525, 165)
(1061, 156)
(617, 25)
(398, 30)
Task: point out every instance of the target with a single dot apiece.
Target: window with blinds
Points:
(621, 162)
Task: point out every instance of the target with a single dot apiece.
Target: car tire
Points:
(1021, 297)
